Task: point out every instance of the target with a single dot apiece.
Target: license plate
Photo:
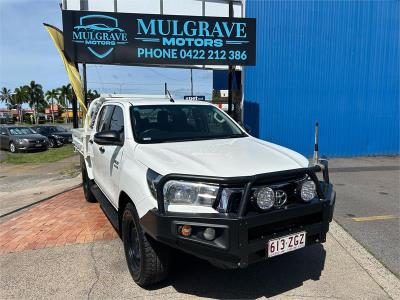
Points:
(286, 244)
(38, 145)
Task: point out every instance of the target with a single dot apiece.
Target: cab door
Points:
(107, 158)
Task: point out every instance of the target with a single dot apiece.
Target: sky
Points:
(27, 53)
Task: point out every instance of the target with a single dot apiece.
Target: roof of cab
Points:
(149, 100)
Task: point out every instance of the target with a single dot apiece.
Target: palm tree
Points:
(36, 98)
(51, 95)
(65, 96)
(91, 95)
(19, 97)
(6, 96)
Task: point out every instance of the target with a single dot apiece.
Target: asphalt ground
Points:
(368, 204)
(98, 270)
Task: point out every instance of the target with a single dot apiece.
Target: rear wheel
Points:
(148, 261)
(87, 183)
(13, 149)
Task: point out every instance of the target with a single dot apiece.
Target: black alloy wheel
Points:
(148, 260)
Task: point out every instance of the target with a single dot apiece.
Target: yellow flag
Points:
(73, 74)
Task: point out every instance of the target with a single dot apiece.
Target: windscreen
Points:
(21, 130)
(174, 123)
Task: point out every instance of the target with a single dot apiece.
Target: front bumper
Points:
(242, 238)
(30, 147)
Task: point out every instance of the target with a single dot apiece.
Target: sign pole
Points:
(191, 81)
(84, 84)
(230, 70)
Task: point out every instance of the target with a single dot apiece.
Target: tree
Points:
(91, 95)
(20, 96)
(51, 95)
(36, 98)
(6, 97)
(65, 97)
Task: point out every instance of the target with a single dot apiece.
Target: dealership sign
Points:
(127, 38)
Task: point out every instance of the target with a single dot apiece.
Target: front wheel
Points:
(13, 149)
(148, 261)
(52, 143)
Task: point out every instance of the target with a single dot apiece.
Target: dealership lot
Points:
(66, 248)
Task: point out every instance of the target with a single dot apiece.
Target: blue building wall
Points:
(332, 61)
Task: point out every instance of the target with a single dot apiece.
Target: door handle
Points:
(102, 150)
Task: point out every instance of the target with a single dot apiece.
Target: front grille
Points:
(37, 142)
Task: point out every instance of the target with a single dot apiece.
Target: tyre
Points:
(52, 143)
(148, 261)
(13, 149)
(87, 183)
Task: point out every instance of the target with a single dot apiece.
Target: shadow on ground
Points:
(196, 277)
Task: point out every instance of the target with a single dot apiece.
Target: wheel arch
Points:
(123, 200)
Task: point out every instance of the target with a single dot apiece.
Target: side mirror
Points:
(111, 137)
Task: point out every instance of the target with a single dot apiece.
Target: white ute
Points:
(184, 175)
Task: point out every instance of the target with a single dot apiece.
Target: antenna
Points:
(170, 97)
(316, 154)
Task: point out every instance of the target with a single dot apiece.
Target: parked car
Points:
(19, 138)
(57, 135)
(6, 118)
(184, 175)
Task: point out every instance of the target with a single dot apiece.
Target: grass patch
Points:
(49, 156)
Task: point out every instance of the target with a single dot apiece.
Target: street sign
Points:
(151, 39)
(195, 98)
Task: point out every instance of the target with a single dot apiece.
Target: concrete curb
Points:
(379, 273)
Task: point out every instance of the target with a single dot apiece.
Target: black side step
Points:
(106, 206)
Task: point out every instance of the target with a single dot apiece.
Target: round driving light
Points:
(308, 190)
(265, 198)
(209, 234)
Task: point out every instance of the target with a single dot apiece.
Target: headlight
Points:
(189, 193)
(308, 190)
(22, 141)
(264, 197)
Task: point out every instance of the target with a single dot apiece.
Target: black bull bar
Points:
(244, 236)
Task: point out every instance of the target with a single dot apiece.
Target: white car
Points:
(184, 175)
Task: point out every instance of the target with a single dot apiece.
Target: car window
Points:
(117, 120)
(3, 131)
(166, 123)
(60, 129)
(21, 130)
(104, 118)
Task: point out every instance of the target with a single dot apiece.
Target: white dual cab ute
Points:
(184, 175)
